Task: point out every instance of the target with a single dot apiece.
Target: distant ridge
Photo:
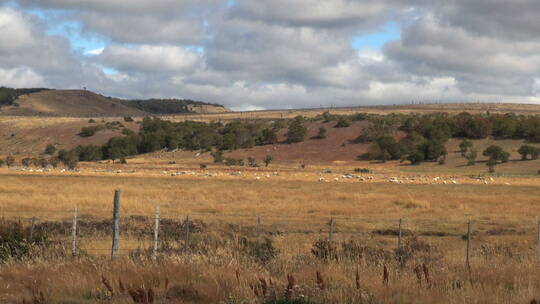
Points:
(83, 103)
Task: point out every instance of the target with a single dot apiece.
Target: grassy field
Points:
(295, 207)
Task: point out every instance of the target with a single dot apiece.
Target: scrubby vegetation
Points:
(9, 95)
(165, 106)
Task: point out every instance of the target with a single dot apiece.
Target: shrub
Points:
(123, 160)
(342, 123)
(42, 162)
(1, 163)
(50, 149)
(15, 243)
(26, 162)
(234, 162)
(91, 121)
(218, 156)
(252, 162)
(297, 131)
(362, 170)
(128, 119)
(324, 250)
(322, 133)
(90, 131)
(10, 161)
(471, 157)
(262, 252)
(54, 161)
(267, 160)
(464, 146)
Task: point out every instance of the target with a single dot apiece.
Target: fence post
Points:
(32, 228)
(258, 230)
(74, 234)
(400, 233)
(468, 257)
(539, 241)
(116, 224)
(331, 231)
(186, 243)
(156, 234)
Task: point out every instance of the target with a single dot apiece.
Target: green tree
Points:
(526, 150)
(496, 154)
(89, 153)
(1, 163)
(297, 131)
(464, 146)
(416, 157)
(471, 157)
(268, 137)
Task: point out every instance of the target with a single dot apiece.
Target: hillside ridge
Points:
(84, 103)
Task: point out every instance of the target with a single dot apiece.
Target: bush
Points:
(218, 156)
(90, 131)
(262, 252)
(362, 170)
(1, 163)
(50, 149)
(322, 133)
(342, 123)
(297, 131)
(91, 121)
(234, 162)
(128, 119)
(26, 162)
(252, 162)
(10, 161)
(15, 243)
(54, 161)
(42, 162)
(324, 250)
(267, 160)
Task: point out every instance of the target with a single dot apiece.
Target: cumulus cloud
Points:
(150, 58)
(279, 54)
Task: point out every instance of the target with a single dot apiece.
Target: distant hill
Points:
(83, 103)
(174, 106)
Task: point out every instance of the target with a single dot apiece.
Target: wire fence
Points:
(124, 233)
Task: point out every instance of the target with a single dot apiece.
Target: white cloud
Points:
(94, 52)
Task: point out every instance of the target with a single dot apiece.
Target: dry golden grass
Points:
(295, 208)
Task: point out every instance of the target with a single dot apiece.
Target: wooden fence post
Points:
(74, 234)
(468, 256)
(116, 224)
(156, 234)
(400, 233)
(186, 240)
(258, 230)
(331, 231)
(32, 227)
(538, 241)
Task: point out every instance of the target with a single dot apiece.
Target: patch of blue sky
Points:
(109, 70)
(375, 41)
(58, 23)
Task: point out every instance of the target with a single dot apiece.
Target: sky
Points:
(267, 54)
